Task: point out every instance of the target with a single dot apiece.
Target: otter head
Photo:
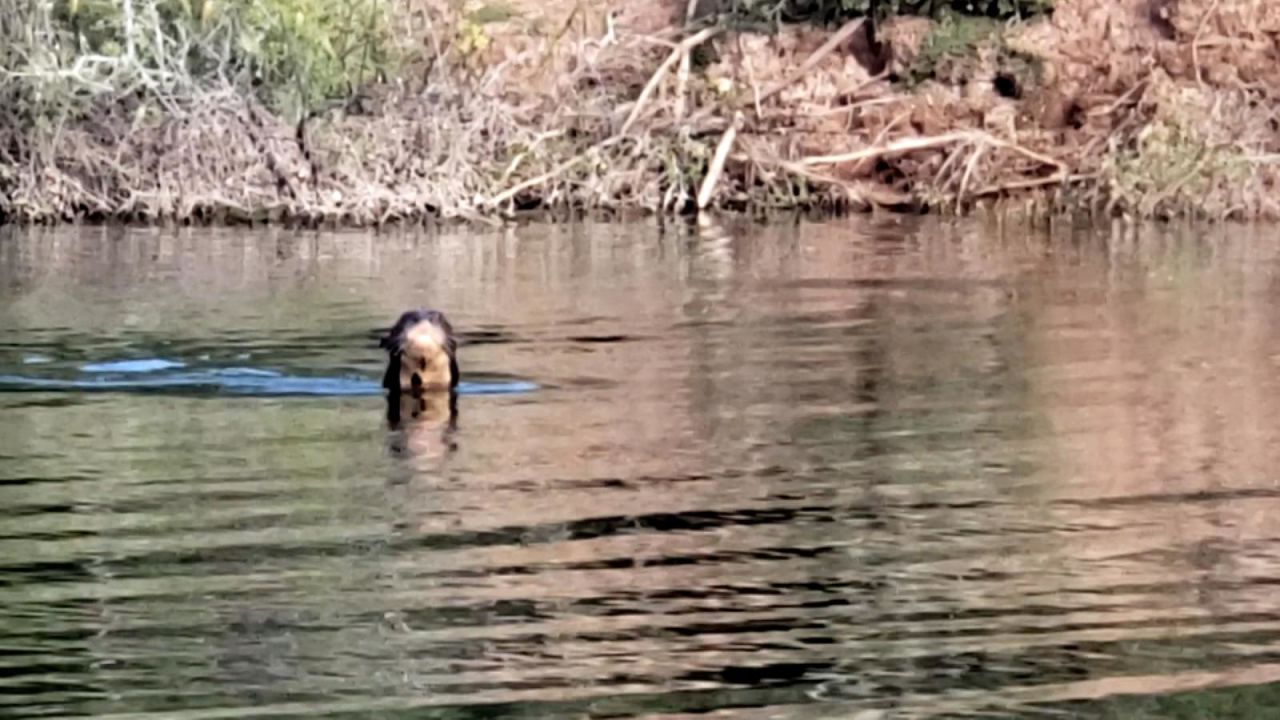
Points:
(422, 353)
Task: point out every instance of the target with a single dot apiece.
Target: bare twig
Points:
(751, 78)
(1195, 41)
(893, 148)
(680, 50)
(718, 160)
(841, 35)
(551, 174)
(974, 159)
(682, 74)
(927, 143)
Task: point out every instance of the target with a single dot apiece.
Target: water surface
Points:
(854, 469)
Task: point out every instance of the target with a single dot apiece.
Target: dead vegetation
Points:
(1154, 108)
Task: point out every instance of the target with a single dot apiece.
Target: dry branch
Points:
(844, 33)
(717, 162)
(542, 123)
(679, 51)
(893, 148)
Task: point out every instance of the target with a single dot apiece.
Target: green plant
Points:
(952, 52)
(307, 51)
(293, 54)
(1171, 166)
(951, 45)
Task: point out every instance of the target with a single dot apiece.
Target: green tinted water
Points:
(851, 469)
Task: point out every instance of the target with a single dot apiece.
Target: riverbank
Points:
(1150, 108)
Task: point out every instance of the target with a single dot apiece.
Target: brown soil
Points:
(1146, 107)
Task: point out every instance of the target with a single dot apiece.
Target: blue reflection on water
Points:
(159, 374)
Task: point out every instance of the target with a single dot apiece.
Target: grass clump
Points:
(951, 47)
(954, 48)
(1171, 167)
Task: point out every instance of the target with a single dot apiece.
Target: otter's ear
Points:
(393, 341)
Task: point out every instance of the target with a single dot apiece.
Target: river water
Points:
(872, 468)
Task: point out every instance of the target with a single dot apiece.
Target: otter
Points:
(422, 368)
(423, 354)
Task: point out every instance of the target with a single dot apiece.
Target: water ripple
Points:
(828, 473)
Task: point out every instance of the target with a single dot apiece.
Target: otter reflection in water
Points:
(421, 381)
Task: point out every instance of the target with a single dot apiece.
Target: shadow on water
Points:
(862, 469)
